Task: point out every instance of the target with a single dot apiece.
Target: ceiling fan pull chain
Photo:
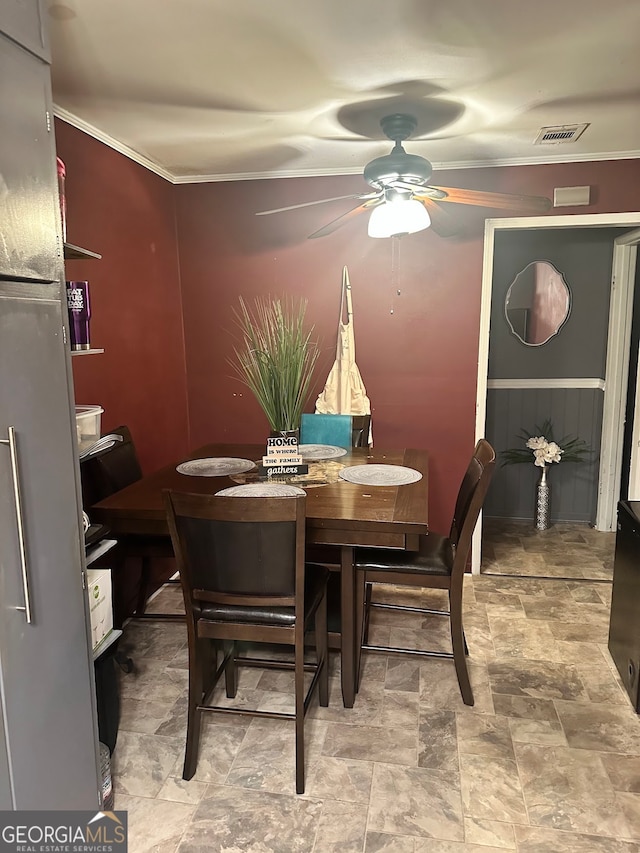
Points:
(395, 262)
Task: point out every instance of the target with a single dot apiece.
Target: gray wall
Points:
(584, 256)
(574, 486)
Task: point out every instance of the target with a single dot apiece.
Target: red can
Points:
(62, 174)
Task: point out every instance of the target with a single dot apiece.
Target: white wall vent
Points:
(571, 196)
(560, 133)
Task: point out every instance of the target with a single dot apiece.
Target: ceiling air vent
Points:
(560, 133)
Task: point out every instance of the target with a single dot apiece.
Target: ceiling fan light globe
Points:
(392, 219)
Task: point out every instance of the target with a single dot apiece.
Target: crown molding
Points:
(121, 148)
(90, 130)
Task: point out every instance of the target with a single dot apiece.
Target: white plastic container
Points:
(100, 606)
(88, 419)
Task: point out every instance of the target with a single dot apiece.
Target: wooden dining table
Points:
(339, 513)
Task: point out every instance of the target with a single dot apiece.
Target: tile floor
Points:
(547, 760)
(574, 551)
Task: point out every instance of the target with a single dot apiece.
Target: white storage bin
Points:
(88, 420)
(100, 606)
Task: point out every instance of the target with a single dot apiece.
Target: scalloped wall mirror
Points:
(537, 304)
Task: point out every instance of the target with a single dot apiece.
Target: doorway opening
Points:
(618, 342)
(564, 552)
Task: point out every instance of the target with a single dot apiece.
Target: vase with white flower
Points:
(545, 451)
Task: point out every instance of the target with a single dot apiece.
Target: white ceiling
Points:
(220, 90)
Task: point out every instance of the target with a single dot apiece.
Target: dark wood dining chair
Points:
(109, 466)
(360, 426)
(329, 555)
(440, 563)
(244, 579)
(112, 466)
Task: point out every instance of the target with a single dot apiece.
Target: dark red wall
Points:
(126, 213)
(416, 299)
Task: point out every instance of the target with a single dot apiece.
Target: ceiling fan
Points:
(403, 201)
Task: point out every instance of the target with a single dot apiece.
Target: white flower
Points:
(553, 452)
(539, 457)
(544, 452)
(537, 442)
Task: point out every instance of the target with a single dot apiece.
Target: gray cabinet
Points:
(46, 662)
(24, 22)
(48, 729)
(30, 246)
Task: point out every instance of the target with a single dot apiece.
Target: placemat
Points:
(216, 466)
(380, 475)
(262, 490)
(321, 451)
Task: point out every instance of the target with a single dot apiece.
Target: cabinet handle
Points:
(15, 476)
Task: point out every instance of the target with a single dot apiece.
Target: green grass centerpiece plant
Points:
(276, 358)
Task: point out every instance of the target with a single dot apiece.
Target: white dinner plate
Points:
(319, 452)
(262, 490)
(380, 475)
(216, 466)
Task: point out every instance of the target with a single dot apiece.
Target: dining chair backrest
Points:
(360, 428)
(244, 580)
(471, 495)
(238, 550)
(439, 563)
(335, 430)
(110, 469)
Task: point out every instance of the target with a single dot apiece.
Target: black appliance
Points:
(624, 625)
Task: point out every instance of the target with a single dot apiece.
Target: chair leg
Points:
(194, 716)
(322, 652)
(209, 664)
(145, 577)
(299, 698)
(367, 612)
(362, 621)
(459, 646)
(230, 670)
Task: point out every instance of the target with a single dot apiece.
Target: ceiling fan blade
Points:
(441, 221)
(504, 201)
(350, 214)
(318, 201)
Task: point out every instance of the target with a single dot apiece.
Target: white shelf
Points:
(109, 640)
(85, 351)
(72, 252)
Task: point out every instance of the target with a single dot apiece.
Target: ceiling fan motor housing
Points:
(398, 165)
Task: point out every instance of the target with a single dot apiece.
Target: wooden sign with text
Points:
(282, 458)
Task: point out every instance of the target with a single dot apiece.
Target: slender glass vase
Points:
(543, 502)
